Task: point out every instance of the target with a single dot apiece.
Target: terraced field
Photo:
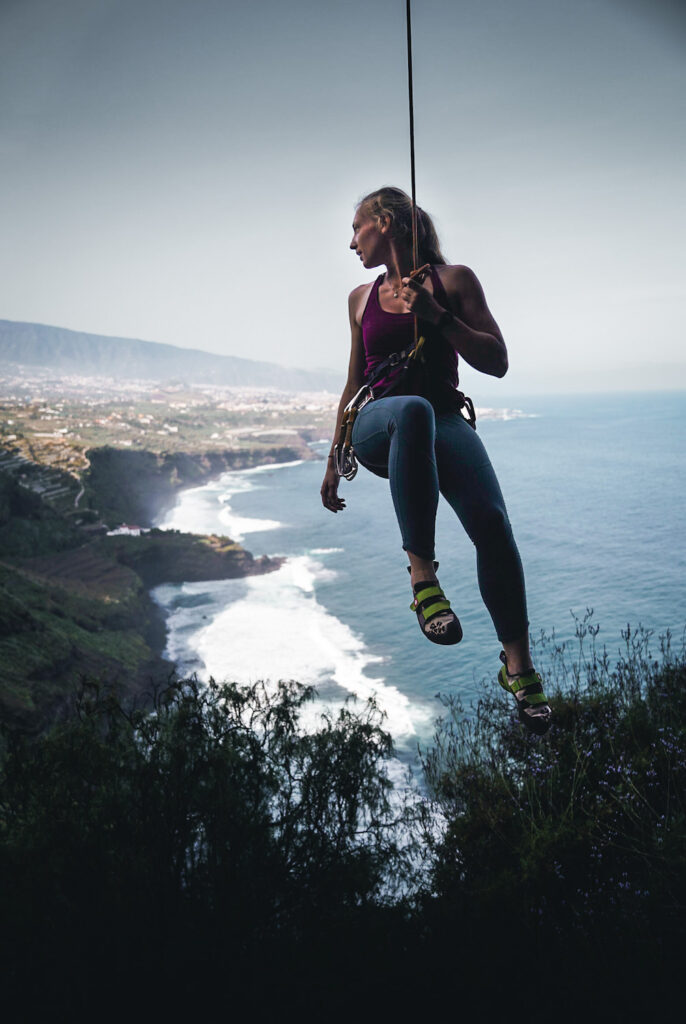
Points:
(86, 571)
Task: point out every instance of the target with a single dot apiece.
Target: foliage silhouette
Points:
(233, 857)
(571, 847)
(213, 828)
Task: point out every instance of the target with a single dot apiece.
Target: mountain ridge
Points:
(28, 344)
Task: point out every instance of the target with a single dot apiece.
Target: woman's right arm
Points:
(356, 368)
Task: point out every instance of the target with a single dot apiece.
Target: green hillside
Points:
(53, 637)
(74, 602)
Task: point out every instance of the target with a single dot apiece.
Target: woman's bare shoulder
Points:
(467, 298)
(357, 300)
(462, 285)
(361, 291)
(458, 276)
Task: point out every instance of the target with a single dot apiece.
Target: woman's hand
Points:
(419, 299)
(329, 490)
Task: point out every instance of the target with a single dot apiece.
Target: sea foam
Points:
(272, 627)
(207, 509)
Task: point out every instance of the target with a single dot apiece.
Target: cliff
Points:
(167, 556)
(86, 614)
(139, 486)
(74, 603)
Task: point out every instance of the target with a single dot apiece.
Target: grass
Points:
(54, 633)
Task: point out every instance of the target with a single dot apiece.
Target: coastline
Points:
(142, 486)
(77, 605)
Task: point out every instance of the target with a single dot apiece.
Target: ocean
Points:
(595, 491)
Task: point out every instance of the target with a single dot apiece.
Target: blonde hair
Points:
(397, 205)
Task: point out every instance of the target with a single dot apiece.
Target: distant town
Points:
(53, 420)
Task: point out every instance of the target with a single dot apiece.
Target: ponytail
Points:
(427, 239)
(397, 206)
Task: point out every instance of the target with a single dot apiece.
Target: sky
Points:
(186, 171)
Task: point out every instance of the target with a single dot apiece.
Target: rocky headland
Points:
(75, 606)
(82, 613)
(138, 487)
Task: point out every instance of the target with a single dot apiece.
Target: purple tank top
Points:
(384, 333)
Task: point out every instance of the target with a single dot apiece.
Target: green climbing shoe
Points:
(437, 621)
(532, 704)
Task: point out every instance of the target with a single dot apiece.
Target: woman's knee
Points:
(414, 415)
(490, 525)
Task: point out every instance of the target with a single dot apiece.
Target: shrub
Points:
(237, 859)
(213, 831)
(570, 846)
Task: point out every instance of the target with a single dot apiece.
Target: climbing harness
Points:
(344, 460)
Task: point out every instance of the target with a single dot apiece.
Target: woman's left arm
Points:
(474, 334)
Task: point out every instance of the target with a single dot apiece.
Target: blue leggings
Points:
(424, 453)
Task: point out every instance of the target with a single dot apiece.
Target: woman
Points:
(417, 437)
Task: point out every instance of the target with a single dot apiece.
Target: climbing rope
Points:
(410, 91)
(345, 462)
(419, 342)
(415, 247)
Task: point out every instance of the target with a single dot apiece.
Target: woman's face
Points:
(368, 239)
